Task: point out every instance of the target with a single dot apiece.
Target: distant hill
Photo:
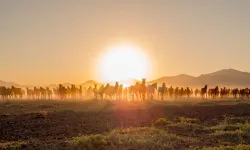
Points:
(180, 80)
(9, 84)
(85, 84)
(90, 83)
(225, 77)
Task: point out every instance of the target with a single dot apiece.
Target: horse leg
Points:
(144, 96)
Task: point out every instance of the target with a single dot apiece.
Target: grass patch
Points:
(13, 145)
(90, 142)
(162, 122)
(189, 120)
(226, 127)
(228, 137)
(131, 138)
(237, 147)
(186, 129)
(236, 120)
(246, 129)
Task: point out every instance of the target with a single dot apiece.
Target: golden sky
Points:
(58, 41)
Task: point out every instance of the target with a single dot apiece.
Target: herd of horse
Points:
(137, 92)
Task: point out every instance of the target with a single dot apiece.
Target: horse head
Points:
(107, 85)
(143, 80)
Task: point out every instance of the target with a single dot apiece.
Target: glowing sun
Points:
(124, 62)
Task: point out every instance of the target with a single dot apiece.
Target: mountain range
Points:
(224, 77)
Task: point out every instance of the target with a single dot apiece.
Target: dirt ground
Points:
(48, 120)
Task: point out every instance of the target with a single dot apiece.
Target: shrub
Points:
(235, 120)
(132, 138)
(90, 142)
(237, 147)
(13, 145)
(144, 138)
(226, 127)
(246, 129)
(228, 136)
(161, 122)
(188, 129)
(189, 120)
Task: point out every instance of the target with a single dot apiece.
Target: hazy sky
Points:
(53, 41)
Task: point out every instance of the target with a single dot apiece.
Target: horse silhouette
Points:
(204, 92)
(141, 89)
(151, 90)
(161, 90)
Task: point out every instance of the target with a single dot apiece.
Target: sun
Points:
(124, 62)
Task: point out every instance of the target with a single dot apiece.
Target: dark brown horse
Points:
(215, 92)
(204, 92)
(17, 92)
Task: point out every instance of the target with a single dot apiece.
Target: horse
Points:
(188, 92)
(181, 92)
(141, 88)
(73, 91)
(120, 92)
(235, 92)
(17, 92)
(30, 93)
(56, 92)
(151, 90)
(43, 92)
(214, 92)
(108, 91)
(95, 91)
(101, 92)
(112, 91)
(204, 91)
(176, 92)
(5, 93)
(80, 92)
(161, 90)
(90, 91)
(36, 92)
(244, 93)
(49, 93)
(125, 93)
(171, 91)
(116, 90)
(62, 91)
(133, 91)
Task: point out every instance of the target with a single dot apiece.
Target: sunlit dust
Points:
(123, 63)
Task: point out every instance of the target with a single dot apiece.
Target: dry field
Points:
(96, 124)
